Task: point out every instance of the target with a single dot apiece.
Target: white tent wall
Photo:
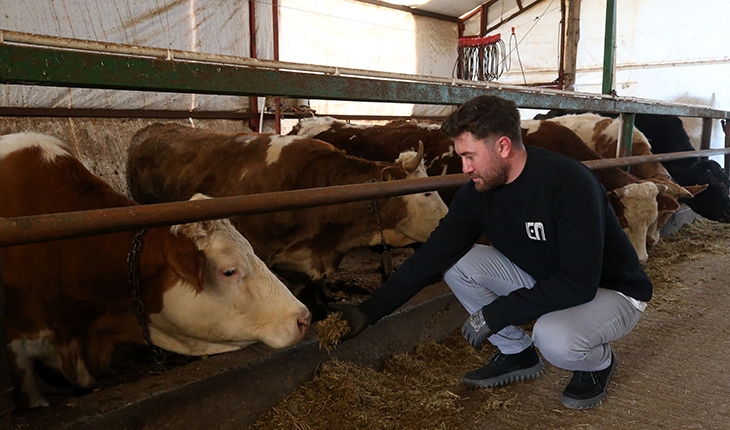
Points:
(357, 35)
(219, 27)
(667, 50)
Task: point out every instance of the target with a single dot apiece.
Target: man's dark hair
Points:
(485, 116)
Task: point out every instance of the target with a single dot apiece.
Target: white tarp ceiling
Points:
(344, 33)
(359, 35)
(174, 24)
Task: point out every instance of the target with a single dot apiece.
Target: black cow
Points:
(667, 134)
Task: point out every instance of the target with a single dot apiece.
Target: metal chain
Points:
(136, 307)
(386, 260)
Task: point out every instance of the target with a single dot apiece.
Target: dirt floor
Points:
(672, 370)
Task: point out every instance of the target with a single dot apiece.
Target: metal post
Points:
(706, 139)
(275, 30)
(609, 47)
(571, 45)
(625, 135)
(726, 129)
(253, 100)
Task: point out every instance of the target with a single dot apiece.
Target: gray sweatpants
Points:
(576, 338)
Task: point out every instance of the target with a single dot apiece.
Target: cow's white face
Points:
(239, 302)
(640, 210)
(423, 212)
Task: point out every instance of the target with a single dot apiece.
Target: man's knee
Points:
(558, 343)
(452, 275)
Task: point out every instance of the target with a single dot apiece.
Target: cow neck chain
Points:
(386, 261)
(136, 306)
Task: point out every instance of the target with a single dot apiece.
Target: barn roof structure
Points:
(461, 9)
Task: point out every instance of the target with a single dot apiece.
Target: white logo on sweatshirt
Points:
(535, 230)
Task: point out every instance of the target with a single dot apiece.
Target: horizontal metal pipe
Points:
(122, 113)
(641, 159)
(42, 228)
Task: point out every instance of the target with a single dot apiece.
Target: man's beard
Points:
(498, 175)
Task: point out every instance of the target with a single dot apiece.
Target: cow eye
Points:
(427, 194)
(229, 272)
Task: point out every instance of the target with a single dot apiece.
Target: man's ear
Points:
(504, 146)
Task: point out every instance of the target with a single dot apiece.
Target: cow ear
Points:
(662, 188)
(685, 193)
(188, 263)
(390, 173)
(666, 203)
(617, 193)
(184, 257)
(696, 189)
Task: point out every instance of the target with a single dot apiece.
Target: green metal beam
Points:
(22, 64)
(627, 134)
(609, 55)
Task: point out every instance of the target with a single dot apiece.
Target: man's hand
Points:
(355, 317)
(475, 330)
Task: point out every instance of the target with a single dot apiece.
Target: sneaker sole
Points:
(507, 378)
(593, 401)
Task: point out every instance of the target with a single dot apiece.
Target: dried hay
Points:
(693, 240)
(420, 390)
(331, 329)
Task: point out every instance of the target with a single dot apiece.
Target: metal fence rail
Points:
(40, 228)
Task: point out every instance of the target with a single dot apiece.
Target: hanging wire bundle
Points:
(482, 58)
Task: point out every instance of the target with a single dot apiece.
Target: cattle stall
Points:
(184, 72)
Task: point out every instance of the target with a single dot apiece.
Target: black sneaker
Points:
(587, 390)
(506, 368)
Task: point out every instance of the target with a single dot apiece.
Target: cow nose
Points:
(303, 321)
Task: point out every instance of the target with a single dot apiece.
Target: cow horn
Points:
(412, 165)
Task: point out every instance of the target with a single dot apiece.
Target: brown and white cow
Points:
(203, 289)
(168, 162)
(601, 134)
(636, 205)
(386, 142)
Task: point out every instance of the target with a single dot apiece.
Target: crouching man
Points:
(559, 257)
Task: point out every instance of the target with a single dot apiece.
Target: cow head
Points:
(666, 206)
(422, 211)
(638, 212)
(713, 203)
(219, 296)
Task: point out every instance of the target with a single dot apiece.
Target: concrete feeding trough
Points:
(231, 390)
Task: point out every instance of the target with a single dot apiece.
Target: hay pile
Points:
(692, 241)
(420, 390)
(331, 329)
